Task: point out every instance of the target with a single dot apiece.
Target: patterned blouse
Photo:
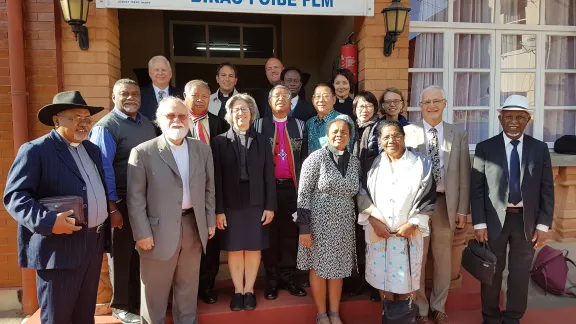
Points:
(317, 131)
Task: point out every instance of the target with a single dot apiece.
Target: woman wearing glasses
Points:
(392, 105)
(245, 196)
(394, 209)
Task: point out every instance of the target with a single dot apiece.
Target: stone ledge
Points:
(562, 159)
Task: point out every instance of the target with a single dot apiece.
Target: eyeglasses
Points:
(396, 102)
(200, 97)
(238, 110)
(180, 117)
(283, 96)
(433, 102)
(395, 138)
(365, 107)
(324, 96)
(78, 119)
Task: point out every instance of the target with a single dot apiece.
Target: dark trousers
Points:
(520, 260)
(124, 265)
(280, 258)
(69, 296)
(210, 263)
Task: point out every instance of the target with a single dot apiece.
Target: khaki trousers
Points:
(440, 242)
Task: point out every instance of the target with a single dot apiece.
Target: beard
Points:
(80, 136)
(130, 109)
(175, 133)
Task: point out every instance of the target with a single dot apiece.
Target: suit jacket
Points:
(304, 110)
(489, 185)
(155, 194)
(44, 168)
(297, 134)
(149, 104)
(216, 125)
(260, 166)
(456, 165)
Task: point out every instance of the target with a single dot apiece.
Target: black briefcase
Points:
(479, 261)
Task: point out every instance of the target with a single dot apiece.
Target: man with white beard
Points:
(171, 206)
(116, 134)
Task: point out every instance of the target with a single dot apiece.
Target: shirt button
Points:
(85, 205)
(83, 188)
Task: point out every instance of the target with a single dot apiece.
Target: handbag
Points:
(479, 261)
(550, 271)
(60, 204)
(401, 311)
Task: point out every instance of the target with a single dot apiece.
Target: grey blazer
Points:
(489, 185)
(456, 165)
(155, 194)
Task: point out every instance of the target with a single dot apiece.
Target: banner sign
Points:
(284, 7)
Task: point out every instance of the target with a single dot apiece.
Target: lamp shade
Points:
(395, 17)
(75, 11)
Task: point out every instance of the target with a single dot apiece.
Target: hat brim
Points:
(47, 112)
(530, 111)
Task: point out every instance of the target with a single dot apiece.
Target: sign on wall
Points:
(285, 7)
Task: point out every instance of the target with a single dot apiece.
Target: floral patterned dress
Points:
(326, 205)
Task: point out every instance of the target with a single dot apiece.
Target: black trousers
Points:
(520, 260)
(280, 258)
(210, 263)
(69, 296)
(124, 265)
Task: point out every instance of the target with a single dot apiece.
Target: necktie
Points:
(514, 197)
(200, 131)
(434, 154)
(161, 94)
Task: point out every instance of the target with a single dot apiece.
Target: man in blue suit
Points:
(66, 255)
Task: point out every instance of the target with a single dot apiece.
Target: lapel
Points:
(525, 157)
(64, 154)
(166, 154)
(421, 138)
(192, 158)
(500, 149)
(232, 140)
(447, 144)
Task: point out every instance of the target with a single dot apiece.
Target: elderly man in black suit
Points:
(160, 72)
(66, 253)
(512, 196)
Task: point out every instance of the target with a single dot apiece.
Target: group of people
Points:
(336, 186)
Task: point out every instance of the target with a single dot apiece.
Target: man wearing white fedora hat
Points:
(512, 198)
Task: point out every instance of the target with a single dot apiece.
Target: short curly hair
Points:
(243, 97)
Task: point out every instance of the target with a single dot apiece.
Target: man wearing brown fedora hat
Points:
(63, 247)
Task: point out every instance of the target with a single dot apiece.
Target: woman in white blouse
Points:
(394, 209)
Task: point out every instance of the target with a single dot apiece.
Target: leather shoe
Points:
(271, 291)
(293, 289)
(208, 296)
(249, 301)
(237, 302)
(126, 316)
(440, 318)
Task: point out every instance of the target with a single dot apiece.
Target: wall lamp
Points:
(75, 13)
(394, 20)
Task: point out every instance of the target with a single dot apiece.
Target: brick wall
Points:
(375, 71)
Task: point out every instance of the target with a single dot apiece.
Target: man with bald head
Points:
(171, 205)
(160, 72)
(273, 69)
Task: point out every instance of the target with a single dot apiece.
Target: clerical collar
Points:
(67, 141)
(279, 120)
(341, 100)
(335, 151)
(239, 131)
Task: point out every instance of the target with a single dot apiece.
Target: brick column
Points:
(375, 71)
(565, 205)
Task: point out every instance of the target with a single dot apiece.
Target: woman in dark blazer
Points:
(245, 196)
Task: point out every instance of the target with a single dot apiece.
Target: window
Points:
(482, 51)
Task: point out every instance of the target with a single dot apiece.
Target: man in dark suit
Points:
(512, 196)
(161, 73)
(288, 139)
(203, 126)
(300, 108)
(273, 68)
(66, 253)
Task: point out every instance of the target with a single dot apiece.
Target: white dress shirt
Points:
(509, 147)
(440, 134)
(157, 90)
(180, 153)
(293, 102)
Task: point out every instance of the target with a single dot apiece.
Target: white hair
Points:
(432, 87)
(195, 83)
(240, 97)
(159, 58)
(166, 103)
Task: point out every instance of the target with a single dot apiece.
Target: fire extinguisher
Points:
(349, 57)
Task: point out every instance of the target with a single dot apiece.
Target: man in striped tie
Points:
(203, 126)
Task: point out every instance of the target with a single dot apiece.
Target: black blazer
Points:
(217, 125)
(346, 107)
(44, 168)
(304, 110)
(489, 185)
(149, 104)
(227, 176)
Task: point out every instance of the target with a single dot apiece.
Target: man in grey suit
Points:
(447, 147)
(171, 206)
(511, 171)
